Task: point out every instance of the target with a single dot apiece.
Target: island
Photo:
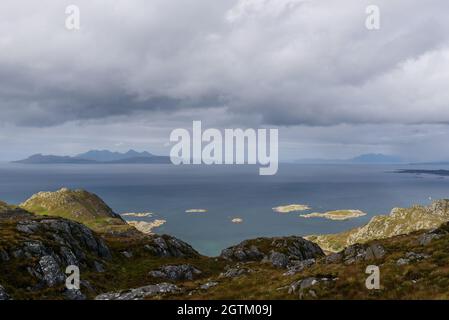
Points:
(146, 227)
(196, 210)
(336, 214)
(291, 208)
(439, 172)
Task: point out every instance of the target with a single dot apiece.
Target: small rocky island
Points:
(336, 214)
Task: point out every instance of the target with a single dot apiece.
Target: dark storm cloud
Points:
(282, 62)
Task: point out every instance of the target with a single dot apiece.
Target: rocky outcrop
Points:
(399, 221)
(167, 246)
(357, 253)
(176, 272)
(299, 266)
(280, 251)
(305, 286)
(236, 271)
(140, 293)
(411, 257)
(434, 234)
(48, 246)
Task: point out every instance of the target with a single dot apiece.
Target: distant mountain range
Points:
(370, 158)
(98, 157)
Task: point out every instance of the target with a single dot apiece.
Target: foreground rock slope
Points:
(36, 247)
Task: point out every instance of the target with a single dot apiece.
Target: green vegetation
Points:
(77, 205)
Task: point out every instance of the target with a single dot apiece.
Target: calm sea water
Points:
(230, 192)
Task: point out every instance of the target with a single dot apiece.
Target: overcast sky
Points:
(138, 69)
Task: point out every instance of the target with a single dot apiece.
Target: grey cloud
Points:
(282, 62)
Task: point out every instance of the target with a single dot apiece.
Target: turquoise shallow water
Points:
(229, 192)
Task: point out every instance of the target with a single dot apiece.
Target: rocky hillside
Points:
(35, 250)
(77, 205)
(399, 221)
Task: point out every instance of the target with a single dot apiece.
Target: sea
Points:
(230, 192)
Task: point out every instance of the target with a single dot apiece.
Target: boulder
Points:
(278, 260)
(208, 285)
(235, 272)
(298, 266)
(175, 272)
(140, 293)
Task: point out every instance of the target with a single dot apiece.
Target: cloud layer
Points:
(282, 62)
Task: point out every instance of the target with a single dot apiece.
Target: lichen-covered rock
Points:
(280, 251)
(208, 285)
(278, 260)
(411, 257)
(360, 252)
(176, 272)
(427, 237)
(140, 293)
(298, 266)
(50, 271)
(48, 246)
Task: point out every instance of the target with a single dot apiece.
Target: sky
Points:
(137, 69)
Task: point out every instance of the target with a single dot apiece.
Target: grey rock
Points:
(359, 252)
(98, 266)
(140, 293)
(306, 283)
(278, 260)
(426, 238)
(166, 246)
(411, 257)
(402, 262)
(127, 254)
(374, 251)
(176, 272)
(4, 256)
(298, 266)
(27, 226)
(208, 285)
(250, 253)
(294, 248)
(3, 294)
(50, 271)
(235, 272)
(74, 295)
